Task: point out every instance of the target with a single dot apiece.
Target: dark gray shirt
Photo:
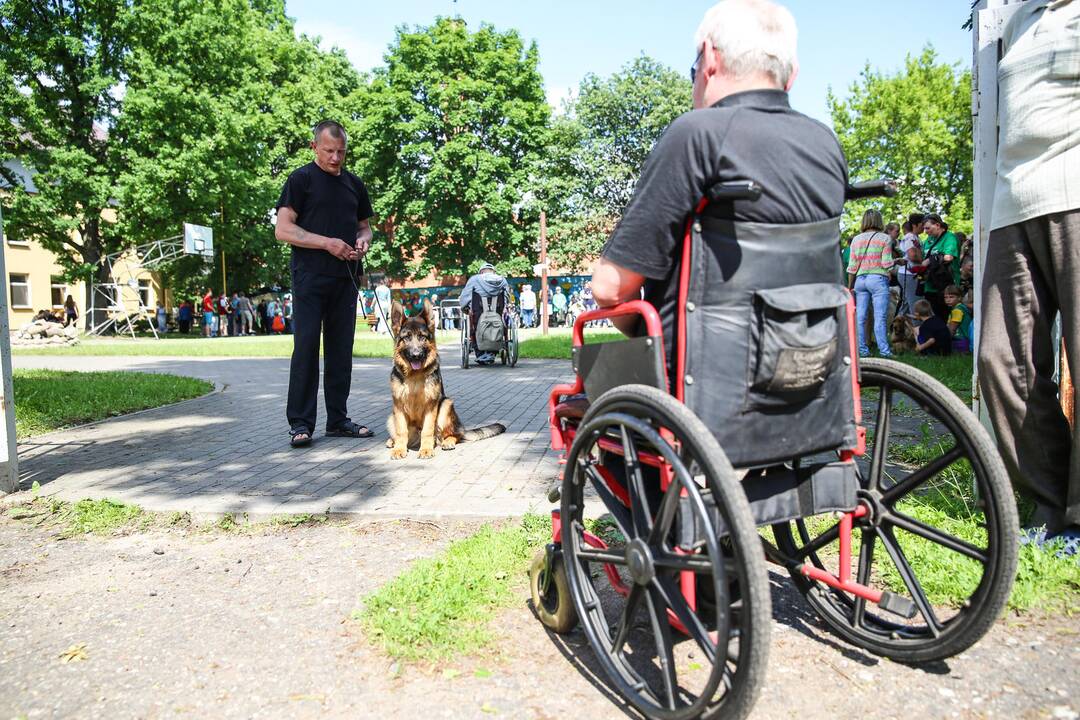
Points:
(752, 135)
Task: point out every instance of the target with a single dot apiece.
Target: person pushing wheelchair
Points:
(741, 129)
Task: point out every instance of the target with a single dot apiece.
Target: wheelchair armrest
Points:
(633, 307)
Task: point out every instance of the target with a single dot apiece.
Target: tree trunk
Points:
(93, 312)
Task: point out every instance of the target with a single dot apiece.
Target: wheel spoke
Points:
(668, 505)
(664, 646)
(888, 539)
(881, 436)
(596, 555)
(673, 599)
(635, 484)
(933, 534)
(917, 478)
(689, 563)
(614, 506)
(626, 622)
(866, 559)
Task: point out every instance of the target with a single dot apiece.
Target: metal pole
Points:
(224, 288)
(543, 274)
(9, 459)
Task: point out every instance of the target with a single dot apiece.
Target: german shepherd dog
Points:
(422, 412)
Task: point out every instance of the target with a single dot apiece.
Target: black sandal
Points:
(349, 429)
(299, 437)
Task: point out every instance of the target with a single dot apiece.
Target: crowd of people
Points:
(231, 316)
(913, 289)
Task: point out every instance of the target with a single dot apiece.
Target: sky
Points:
(836, 37)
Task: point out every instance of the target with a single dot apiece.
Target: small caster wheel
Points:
(555, 607)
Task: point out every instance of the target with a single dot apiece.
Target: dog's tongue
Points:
(415, 365)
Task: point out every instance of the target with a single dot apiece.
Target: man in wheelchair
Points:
(485, 294)
(742, 128)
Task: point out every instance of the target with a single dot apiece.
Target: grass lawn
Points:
(443, 606)
(47, 400)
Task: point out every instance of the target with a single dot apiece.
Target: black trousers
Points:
(1031, 273)
(326, 305)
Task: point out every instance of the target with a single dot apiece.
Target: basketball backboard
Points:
(198, 240)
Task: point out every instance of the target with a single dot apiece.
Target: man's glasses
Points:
(693, 68)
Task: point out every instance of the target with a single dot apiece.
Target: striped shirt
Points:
(871, 254)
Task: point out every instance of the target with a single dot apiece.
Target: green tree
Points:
(61, 65)
(453, 129)
(915, 127)
(598, 147)
(219, 108)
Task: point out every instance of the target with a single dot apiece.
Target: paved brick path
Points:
(228, 452)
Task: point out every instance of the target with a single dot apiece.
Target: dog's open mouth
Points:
(416, 364)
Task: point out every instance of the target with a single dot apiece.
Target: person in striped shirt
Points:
(868, 272)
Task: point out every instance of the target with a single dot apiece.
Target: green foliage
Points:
(441, 607)
(452, 129)
(914, 127)
(48, 400)
(61, 64)
(559, 343)
(220, 103)
(597, 148)
(100, 516)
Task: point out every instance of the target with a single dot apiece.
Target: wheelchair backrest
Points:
(768, 356)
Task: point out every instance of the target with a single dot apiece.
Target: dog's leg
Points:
(427, 433)
(391, 431)
(400, 435)
(446, 424)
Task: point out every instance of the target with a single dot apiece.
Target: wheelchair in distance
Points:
(670, 584)
(507, 349)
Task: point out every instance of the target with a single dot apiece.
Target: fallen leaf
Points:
(482, 673)
(489, 709)
(75, 653)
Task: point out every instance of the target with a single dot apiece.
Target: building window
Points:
(20, 290)
(59, 291)
(144, 293)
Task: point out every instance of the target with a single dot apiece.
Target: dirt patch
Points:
(195, 624)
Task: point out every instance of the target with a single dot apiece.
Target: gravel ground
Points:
(198, 624)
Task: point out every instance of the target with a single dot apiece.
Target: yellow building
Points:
(34, 279)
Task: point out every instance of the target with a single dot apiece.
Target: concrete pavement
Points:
(228, 452)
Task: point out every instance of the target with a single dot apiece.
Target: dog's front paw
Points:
(399, 453)
(390, 442)
(426, 453)
(449, 443)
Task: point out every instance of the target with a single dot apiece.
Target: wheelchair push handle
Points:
(738, 190)
(870, 188)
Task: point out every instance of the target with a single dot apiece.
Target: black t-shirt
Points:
(329, 205)
(935, 327)
(753, 135)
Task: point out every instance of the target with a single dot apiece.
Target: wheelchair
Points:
(507, 350)
(754, 450)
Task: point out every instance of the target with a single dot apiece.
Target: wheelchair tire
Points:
(464, 341)
(964, 490)
(729, 637)
(512, 348)
(555, 608)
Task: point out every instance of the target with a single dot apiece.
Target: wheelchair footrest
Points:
(897, 605)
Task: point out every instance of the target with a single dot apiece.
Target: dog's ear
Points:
(397, 316)
(429, 316)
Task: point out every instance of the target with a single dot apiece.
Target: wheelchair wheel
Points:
(553, 604)
(941, 532)
(668, 563)
(464, 341)
(512, 346)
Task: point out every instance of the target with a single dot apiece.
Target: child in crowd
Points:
(934, 335)
(959, 319)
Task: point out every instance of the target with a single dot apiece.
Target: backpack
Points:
(278, 325)
(489, 327)
(938, 272)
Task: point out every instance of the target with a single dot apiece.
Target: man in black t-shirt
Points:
(742, 128)
(323, 213)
